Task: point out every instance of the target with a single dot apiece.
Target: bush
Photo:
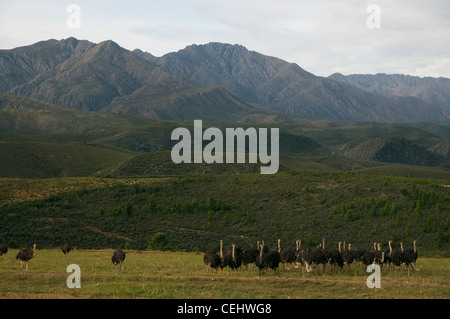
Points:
(159, 242)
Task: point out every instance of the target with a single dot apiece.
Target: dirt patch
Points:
(107, 233)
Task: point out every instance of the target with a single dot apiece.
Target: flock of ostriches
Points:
(309, 258)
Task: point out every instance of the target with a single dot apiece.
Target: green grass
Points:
(184, 276)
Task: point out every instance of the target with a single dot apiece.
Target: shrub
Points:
(159, 242)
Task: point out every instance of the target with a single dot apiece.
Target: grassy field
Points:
(175, 275)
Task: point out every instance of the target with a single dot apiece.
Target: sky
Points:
(321, 36)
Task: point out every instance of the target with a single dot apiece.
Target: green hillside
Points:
(44, 160)
(196, 211)
(20, 115)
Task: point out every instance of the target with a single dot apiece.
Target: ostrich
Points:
(212, 260)
(328, 254)
(378, 254)
(397, 256)
(287, 255)
(273, 259)
(388, 255)
(312, 257)
(118, 258)
(370, 256)
(347, 256)
(260, 263)
(25, 255)
(233, 258)
(222, 256)
(412, 253)
(335, 257)
(249, 255)
(299, 255)
(359, 255)
(66, 248)
(209, 257)
(409, 257)
(3, 250)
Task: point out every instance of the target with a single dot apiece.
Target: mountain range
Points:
(215, 82)
(435, 91)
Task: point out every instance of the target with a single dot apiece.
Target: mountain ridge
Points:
(216, 81)
(107, 77)
(432, 90)
(288, 89)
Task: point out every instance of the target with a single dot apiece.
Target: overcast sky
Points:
(321, 36)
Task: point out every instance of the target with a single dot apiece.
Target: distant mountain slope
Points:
(435, 91)
(395, 150)
(287, 88)
(106, 77)
(22, 64)
(46, 160)
(216, 82)
(20, 115)
(442, 148)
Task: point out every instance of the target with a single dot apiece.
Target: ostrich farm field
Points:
(178, 275)
(97, 215)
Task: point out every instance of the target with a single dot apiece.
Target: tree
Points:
(159, 242)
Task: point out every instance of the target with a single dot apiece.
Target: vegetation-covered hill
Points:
(44, 160)
(196, 211)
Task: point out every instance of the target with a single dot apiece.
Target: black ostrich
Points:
(66, 248)
(371, 256)
(249, 255)
(3, 250)
(325, 256)
(25, 255)
(212, 260)
(288, 255)
(388, 255)
(359, 255)
(299, 255)
(233, 257)
(272, 260)
(397, 256)
(118, 258)
(379, 259)
(348, 256)
(312, 257)
(260, 260)
(409, 257)
(335, 258)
